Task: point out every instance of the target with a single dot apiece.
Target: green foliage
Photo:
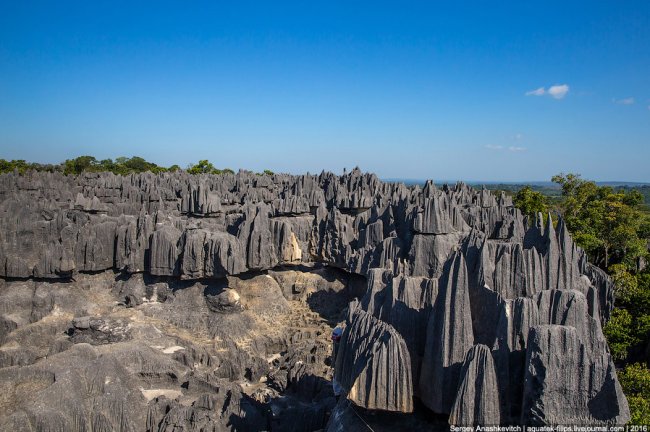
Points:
(122, 165)
(608, 224)
(638, 303)
(635, 380)
(644, 226)
(138, 164)
(268, 172)
(203, 167)
(643, 190)
(626, 286)
(618, 332)
(639, 409)
(642, 329)
(80, 164)
(22, 166)
(628, 331)
(530, 202)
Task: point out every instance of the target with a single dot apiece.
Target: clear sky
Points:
(499, 90)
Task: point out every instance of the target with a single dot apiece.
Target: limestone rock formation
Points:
(373, 364)
(235, 281)
(589, 394)
(449, 337)
(477, 398)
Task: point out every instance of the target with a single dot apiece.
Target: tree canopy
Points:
(608, 224)
(530, 202)
(121, 165)
(204, 166)
(23, 166)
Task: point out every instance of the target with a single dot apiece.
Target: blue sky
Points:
(503, 91)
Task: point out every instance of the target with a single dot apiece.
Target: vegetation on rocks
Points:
(206, 167)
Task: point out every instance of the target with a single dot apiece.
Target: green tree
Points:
(23, 166)
(78, 165)
(610, 224)
(618, 332)
(530, 202)
(604, 222)
(644, 227)
(203, 167)
(626, 286)
(628, 331)
(635, 380)
(121, 165)
(10, 166)
(137, 165)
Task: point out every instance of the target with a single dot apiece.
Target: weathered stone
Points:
(477, 399)
(567, 383)
(449, 336)
(373, 365)
(447, 267)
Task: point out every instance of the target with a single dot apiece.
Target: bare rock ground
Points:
(142, 353)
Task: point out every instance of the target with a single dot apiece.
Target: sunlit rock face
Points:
(240, 277)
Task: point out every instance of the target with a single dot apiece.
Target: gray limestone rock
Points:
(165, 251)
(589, 393)
(436, 217)
(373, 365)
(209, 254)
(449, 336)
(477, 398)
(447, 267)
(201, 201)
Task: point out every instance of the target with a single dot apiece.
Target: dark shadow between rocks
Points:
(253, 416)
(215, 287)
(305, 405)
(355, 418)
(330, 305)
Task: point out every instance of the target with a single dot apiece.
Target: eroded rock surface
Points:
(177, 302)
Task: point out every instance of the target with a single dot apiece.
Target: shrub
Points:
(618, 332)
(635, 380)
